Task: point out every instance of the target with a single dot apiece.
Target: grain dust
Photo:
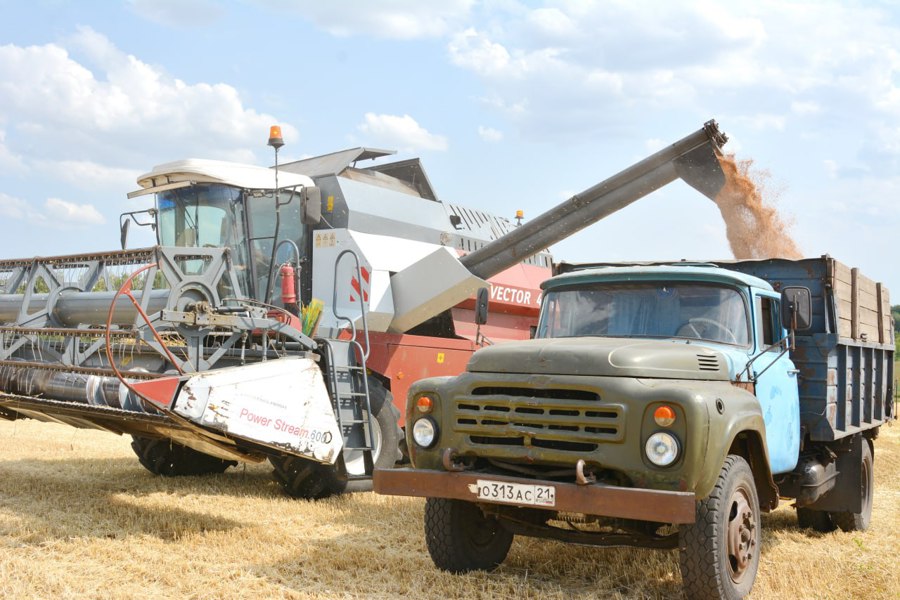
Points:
(753, 225)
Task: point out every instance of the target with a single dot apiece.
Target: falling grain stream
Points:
(753, 226)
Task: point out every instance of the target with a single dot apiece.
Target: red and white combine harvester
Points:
(285, 312)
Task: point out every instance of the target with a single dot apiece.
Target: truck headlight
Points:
(661, 448)
(425, 432)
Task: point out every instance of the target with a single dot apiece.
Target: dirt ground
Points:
(79, 518)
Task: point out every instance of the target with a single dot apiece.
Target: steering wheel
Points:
(691, 326)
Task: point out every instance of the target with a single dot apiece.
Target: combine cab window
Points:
(647, 310)
(205, 216)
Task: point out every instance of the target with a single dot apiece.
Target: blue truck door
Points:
(776, 386)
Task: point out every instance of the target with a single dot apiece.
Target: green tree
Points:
(895, 312)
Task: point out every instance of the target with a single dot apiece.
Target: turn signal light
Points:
(664, 416)
(424, 404)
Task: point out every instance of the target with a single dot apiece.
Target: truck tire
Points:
(460, 538)
(165, 457)
(309, 480)
(817, 520)
(719, 552)
(849, 521)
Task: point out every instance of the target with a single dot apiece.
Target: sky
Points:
(510, 105)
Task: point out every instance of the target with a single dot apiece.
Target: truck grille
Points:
(560, 419)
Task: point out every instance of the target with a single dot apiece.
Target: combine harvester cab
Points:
(284, 310)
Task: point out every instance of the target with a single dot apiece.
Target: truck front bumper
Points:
(594, 499)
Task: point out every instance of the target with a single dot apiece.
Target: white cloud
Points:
(68, 214)
(90, 175)
(489, 134)
(762, 122)
(55, 214)
(12, 208)
(804, 108)
(475, 51)
(178, 13)
(582, 67)
(121, 111)
(9, 161)
(395, 19)
(403, 133)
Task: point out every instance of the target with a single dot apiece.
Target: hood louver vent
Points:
(708, 362)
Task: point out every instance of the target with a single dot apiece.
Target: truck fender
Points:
(743, 434)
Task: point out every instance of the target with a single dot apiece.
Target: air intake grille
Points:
(708, 362)
(561, 419)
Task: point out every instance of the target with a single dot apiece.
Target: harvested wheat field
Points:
(79, 518)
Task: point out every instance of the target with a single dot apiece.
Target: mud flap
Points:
(282, 404)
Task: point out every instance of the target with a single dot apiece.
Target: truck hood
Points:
(612, 357)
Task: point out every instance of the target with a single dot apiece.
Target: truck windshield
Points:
(651, 310)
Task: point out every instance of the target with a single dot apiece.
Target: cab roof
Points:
(674, 272)
(194, 170)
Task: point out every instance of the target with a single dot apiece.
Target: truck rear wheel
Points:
(720, 550)
(165, 457)
(849, 521)
(460, 538)
(309, 480)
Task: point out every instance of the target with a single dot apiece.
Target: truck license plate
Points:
(516, 493)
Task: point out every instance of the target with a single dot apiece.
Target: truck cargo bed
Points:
(846, 359)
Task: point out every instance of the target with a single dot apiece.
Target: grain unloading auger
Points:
(185, 347)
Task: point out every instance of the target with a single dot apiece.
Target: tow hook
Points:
(449, 463)
(580, 477)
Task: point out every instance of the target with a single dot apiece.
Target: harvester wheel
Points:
(460, 538)
(165, 457)
(720, 550)
(849, 521)
(307, 479)
(817, 520)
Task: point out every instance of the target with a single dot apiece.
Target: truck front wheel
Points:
(720, 550)
(460, 538)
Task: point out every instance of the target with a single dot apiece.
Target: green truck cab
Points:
(663, 406)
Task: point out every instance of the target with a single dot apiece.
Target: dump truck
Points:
(660, 405)
(283, 309)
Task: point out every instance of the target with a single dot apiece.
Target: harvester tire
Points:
(849, 521)
(817, 520)
(165, 457)
(719, 552)
(460, 538)
(309, 480)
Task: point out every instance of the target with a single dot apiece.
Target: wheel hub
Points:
(741, 536)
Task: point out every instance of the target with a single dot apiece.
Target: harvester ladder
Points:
(349, 389)
(348, 376)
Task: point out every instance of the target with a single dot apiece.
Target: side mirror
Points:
(123, 231)
(796, 308)
(481, 306)
(311, 205)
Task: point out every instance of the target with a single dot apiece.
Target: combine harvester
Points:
(284, 309)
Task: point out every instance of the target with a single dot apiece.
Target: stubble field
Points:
(79, 518)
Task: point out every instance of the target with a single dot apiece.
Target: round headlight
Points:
(661, 448)
(425, 432)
